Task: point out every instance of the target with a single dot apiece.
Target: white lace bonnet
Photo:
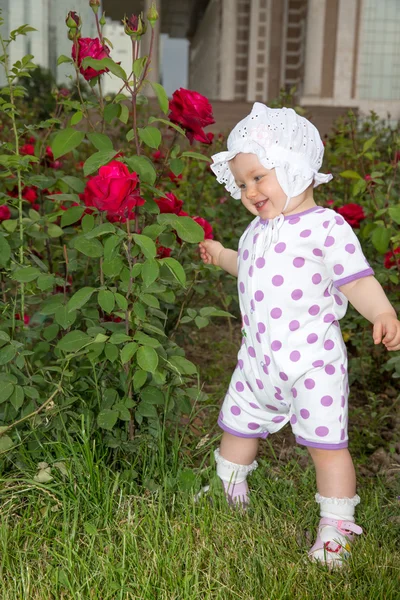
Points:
(283, 141)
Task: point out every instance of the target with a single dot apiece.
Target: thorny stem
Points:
(127, 326)
(101, 100)
(99, 28)
(78, 85)
(183, 305)
(135, 51)
(66, 272)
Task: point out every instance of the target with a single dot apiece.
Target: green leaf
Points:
(152, 395)
(54, 230)
(112, 267)
(72, 215)
(87, 223)
(105, 63)
(107, 418)
(119, 338)
(50, 306)
(211, 311)
(380, 239)
(150, 272)
(17, 397)
(97, 160)
(46, 282)
(188, 230)
(6, 389)
(76, 118)
(161, 96)
(147, 410)
(395, 214)
(26, 274)
(106, 300)
(111, 352)
(128, 351)
(80, 298)
(146, 245)
(139, 379)
(73, 182)
(176, 269)
(6, 443)
(150, 300)
(7, 353)
(177, 166)
(5, 251)
(350, 175)
(124, 114)
(147, 359)
(143, 167)
(74, 341)
(65, 141)
(151, 136)
(367, 145)
(184, 366)
(201, 322)
(100, 141)
(64, 59)
(168, 123)
(196, 155)
(121, 301)
(50, 332)
(111, 111)
(153, 231)
(92, 248)
(100, 230)
(64, 317)
(146, 340)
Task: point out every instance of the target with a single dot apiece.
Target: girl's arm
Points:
(214, 253)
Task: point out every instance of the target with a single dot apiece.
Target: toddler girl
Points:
(297, 265)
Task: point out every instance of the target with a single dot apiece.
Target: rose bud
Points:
(134, 26)
(94, 5)
(152, 15)
(73, 20)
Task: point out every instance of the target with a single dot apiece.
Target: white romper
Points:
(292, 365)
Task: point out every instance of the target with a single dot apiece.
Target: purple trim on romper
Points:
(358, 275)
(243, 435)
(305, 212)
(304, 442)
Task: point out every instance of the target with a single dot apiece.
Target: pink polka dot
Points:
(261, 327)
(240, 363)
(259, 295)
(235, 410)
(316, 278)
(239, 386)
(317, 252)
(309, 383)
(339, 220)
(304, 413)
(249, 386)
(265, 369)
(246, 320)
(277, 280)
(293, 419)
(329, 241)
(252, 305)
(278, 419)
(278, 396)
(255, 238)
(295, 356)
(258, 337)
(251, 271)
(283, 376)
(328, 318)
(294, 325)
(342, 401)
(342, 369)
(260, 384)
(270, 407)
(321, 431)
(276, 313)
(330, 369)
(294, 392)
(260, 262)
(297, 294)
(342, 434)
(254, 405)
(326, 293)
(298, 262)
(281, 247)
(278, 389)
(245, 255)
(338, 269)
(325, 224)
(313, 310)
(329, 344)
(267, 359)
(294, 220)
(350, 248)
(239, 251)
(252, 352)
(241, 287)
(253, 426)
(318, 363)
(276, 345)
(305, 233)
(221, 415)
(312, 338)
(326, 400)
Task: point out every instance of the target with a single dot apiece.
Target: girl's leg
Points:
(235, 460)
(336, 484)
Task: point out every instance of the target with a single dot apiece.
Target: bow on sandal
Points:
(334, 551)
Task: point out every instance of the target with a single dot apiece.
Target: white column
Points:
(345, 49)
(228, 49)
(314, 47)
(17, 17)
(39, 19)
(154, 71)
(252, 61)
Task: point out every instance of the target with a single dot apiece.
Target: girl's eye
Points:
(258, 177)
(242, 186)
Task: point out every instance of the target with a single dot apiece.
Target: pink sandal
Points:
(334, 552)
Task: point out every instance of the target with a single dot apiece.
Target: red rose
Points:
(210, 136)
(90, 47)
(163, 252)
(4, 213)
(175, 178)
(29, 194)
(27, 149)
(208, 231)
(26, 318)
(390, 258)
(157, 156)
(397, 157)
(171, 206)
(114, 190)
(192, 112)
(352, 213)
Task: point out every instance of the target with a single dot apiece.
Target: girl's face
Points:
(261, 193)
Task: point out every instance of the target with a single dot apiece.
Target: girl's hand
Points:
(388, 326)
(210, 251)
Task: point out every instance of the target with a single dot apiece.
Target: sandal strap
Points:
(345, 527)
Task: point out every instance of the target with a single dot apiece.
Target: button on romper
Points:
(292, 365)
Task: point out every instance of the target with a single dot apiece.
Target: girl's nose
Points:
(251, 193)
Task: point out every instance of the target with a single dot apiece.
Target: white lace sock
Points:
(234, 477)
(335, 508)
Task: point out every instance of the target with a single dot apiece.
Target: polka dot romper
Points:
(292, 365)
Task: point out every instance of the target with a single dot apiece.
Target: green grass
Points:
(91, 534)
